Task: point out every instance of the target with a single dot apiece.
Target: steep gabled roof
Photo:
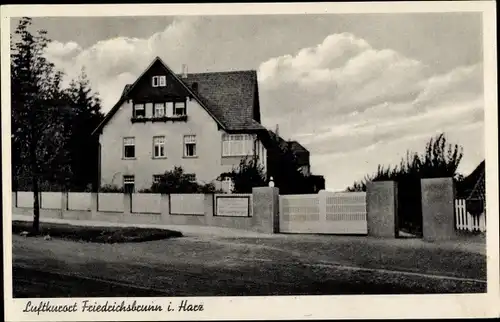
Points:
(228, 97)
(297, 147)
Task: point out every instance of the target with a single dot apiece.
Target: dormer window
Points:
(159, 81)
(139, 110)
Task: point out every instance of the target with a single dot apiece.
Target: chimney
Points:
(184, 71)
(277, 129)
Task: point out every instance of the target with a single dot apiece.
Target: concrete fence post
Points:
(127, 204)
(64, 203)
(165, 208)
(94, 204)
(381, 206)
(438, 209)
(209, 208)
(265, 205)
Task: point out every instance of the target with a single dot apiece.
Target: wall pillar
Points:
(265, 205)
(438, 209)
(209, 208)
(381, 204)
(64, 203)
(94, 204)
(165, 208)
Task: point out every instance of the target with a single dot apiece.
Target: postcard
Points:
(250, 161)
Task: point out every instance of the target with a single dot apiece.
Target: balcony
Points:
(165, 119)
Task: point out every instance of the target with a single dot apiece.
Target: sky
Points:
(357, 90)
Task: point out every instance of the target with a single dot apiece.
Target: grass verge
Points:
(109, 235)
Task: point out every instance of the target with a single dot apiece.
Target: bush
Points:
(247, 175)
(439, 160)
(177, 181)
(111, 188)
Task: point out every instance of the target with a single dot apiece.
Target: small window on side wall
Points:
(190, 146)
(180, 108)
(129, 183)
(129, 148)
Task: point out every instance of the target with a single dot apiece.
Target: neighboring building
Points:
(472, 189)
(302, 155)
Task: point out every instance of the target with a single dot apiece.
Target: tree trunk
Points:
(36, 206)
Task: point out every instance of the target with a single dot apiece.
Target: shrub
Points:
(111, 188)
(247, 175)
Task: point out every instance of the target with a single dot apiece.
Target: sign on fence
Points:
(233, 205)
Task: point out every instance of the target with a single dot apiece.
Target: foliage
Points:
(40, 114)
(111, 188)
(177, 181)
(248, 174)
(83, 146)
(439, 160)
(283, 166)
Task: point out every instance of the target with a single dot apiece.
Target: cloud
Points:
(347, 102)
(112, 63)
(351, 104)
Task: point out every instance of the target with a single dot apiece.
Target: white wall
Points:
(207, 166)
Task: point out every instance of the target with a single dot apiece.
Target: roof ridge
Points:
(224, 72)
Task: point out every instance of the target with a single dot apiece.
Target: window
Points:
(157, 178)
(129, 148)
(158, 147)
(128, 183)
(179, 108)
(159, 109)
(237, 145)
(159, 81)
(190, 145)
(139, 110)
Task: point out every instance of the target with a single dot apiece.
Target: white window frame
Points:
(157, 178)
(183, 108)
(159, 107)
(237, 145)
(159, 141)
(128, 141)
(189, 139)
(139, 106)
(129, 182)
(159, 81)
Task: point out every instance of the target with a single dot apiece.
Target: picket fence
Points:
(465, 221)
(324, 213)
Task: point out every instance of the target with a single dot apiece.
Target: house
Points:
(204, 122)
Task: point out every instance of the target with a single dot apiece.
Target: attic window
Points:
(139, 110)
(195, 87)
(159, 81)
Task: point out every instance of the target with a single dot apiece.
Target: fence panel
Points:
(465, 221)
(346, 213)
(187, 204)
(146, 203)
(324, 213)
(25, 199)
(79, 201)
(51, 200)
(110, 202)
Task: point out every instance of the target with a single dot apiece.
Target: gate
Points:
(409, 208)
(324, 213)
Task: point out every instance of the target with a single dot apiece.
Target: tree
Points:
(40, 114)
(247, 175)
(440, 159)
(83, 147)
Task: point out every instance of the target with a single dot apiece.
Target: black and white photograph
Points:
(255, 156)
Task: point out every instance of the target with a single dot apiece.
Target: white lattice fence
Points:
(325, 213)
(467, 222)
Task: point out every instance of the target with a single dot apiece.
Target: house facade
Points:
(205, 123)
